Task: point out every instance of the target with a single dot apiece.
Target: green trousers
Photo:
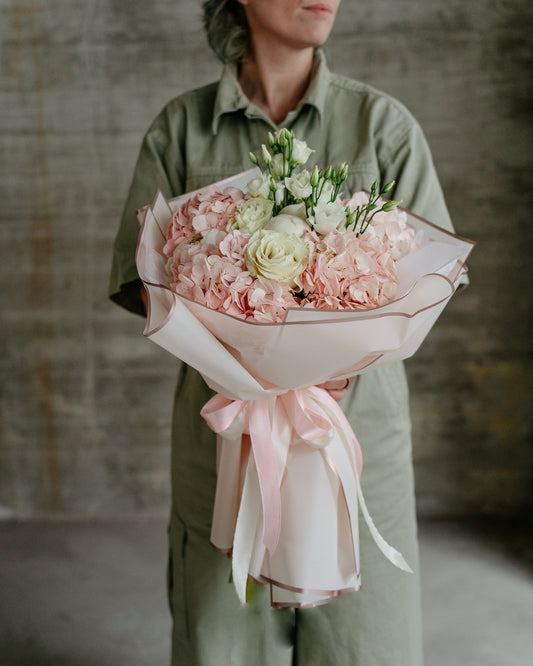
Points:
(377, 626)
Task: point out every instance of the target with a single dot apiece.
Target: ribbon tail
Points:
(393, 555)
(390, 553)
(267, 472)
(339, 462)
(245, 531)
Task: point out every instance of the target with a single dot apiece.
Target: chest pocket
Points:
(198, 177)
(361, 175)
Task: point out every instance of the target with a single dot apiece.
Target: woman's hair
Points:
(227, 29)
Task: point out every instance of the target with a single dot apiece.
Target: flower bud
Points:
(343, 172)
(285, 136)
(391, 205)
(267, 157)
(388, 187)
(315, 177)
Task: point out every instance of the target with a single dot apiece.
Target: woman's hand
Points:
(337, 388)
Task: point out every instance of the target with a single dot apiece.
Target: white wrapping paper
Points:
(288, 468)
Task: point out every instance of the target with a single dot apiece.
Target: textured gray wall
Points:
(86, 400)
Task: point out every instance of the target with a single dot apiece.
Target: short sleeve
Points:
(159, 166)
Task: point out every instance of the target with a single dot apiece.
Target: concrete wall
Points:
(86, 400)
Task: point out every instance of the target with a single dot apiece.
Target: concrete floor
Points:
(92, 593)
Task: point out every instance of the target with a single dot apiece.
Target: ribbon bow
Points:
(273, 425)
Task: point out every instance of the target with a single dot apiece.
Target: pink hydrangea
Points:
(388, 227)
(347, 272)
(344, 271)
(269, 301)
(205, 210)
(215, 275)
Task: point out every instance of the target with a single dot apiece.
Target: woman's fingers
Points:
(337, 388)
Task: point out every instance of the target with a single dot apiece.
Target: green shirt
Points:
(206, 135)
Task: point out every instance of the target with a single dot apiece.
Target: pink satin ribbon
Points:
(222, 413)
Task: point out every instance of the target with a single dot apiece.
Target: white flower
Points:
(279, 166)
(289, 224)
(259, 186)
(212, 237)
(251, 215)
(275, 255)
(300, 152)
(299, 185)
(327, 191)
(297, 209)
(280, 193)
(328, 216)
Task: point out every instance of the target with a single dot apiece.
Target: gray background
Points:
(86, 400)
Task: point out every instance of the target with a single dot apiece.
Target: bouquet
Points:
(246, 278)
(288, 242)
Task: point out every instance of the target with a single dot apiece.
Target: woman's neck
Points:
(275, 80)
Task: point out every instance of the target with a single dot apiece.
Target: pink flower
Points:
(234, 245)
(389, 228)
(207, 209)
(392, 230)
(215, 275)
(269, 301)
(344, 271)
(347, 272)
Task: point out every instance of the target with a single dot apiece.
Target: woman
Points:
(274, 76)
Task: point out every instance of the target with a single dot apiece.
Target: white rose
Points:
(289, 224)
(251, 215)
(259, 186)
(328, 216)
(300, 152)
(274, 255)
(299, 185)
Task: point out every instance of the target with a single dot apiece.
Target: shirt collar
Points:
(230, 97)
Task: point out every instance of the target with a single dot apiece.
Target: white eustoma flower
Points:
(299, 185)
(295, 209)
(251, 215)
(259, 186)
(289, 224)
(279, 166)
(274, 255)
(326, 191)
(328, 216)
(280, 193)
(300, 152)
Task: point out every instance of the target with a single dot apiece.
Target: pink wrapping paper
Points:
(288, 464)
